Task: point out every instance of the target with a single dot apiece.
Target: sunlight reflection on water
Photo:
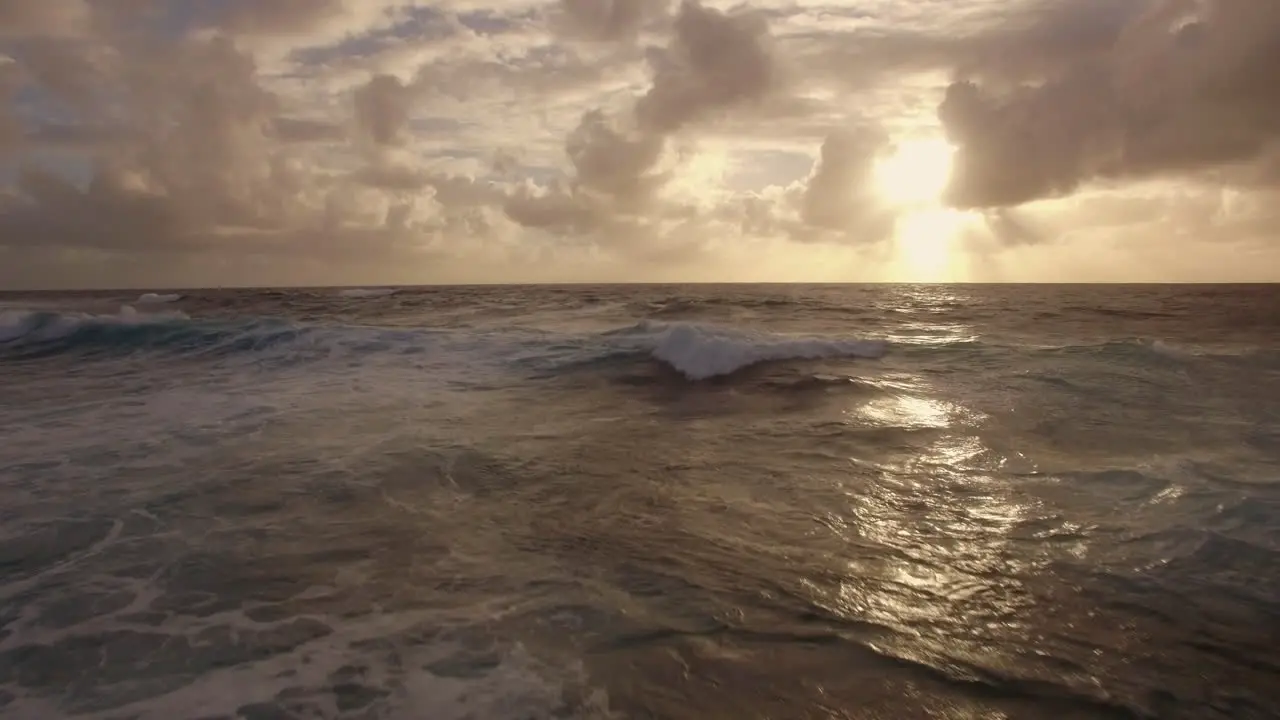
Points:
(948, 583)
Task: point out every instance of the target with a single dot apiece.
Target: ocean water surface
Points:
(641, 502)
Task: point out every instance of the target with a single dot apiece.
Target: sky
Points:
(181, 143)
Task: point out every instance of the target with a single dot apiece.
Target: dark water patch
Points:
(416, 470)
(1114, 312)
(727, 675)
(205, 583)
(114, 668)
(1226, 562)
(1124, 486)
(1145, 627)
(50, 544)
(84, 605)
(573, 360)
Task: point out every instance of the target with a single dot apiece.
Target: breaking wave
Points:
(158, 298)
(702, 352)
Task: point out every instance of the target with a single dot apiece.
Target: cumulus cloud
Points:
(715, 62)
(1187, 85)
(840, 194)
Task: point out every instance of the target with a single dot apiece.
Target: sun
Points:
(916, 174)
(912, 180)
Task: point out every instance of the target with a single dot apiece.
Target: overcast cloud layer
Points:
(203, 142)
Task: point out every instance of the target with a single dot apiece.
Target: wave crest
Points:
(702, 352)
(158, 298)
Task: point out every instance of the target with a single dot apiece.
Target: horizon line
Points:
(446, 285)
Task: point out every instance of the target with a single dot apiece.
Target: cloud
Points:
(529, 138)
(1188, 85)
(607, 20)
(840, 195)
(306, 130)
(382, 109)
(277, 16)
(715, 62)
(1002, 43)
(25, 18)
(11, 130)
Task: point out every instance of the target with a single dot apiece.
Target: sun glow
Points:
(913, 180)
(916, 174)
(925, 249)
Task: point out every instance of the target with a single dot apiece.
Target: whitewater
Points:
(641, 502)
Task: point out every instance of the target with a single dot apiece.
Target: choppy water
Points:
(641, 502)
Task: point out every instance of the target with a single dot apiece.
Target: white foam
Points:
(367, 292)
(158, 299)
(701, 352)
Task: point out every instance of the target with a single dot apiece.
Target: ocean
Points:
(516, 503)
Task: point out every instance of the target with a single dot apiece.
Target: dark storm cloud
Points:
(1187, 85)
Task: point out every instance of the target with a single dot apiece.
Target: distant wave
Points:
(367, 292)
(28, 334)
(1145, 351)
(158, 299)
(1155, 350)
